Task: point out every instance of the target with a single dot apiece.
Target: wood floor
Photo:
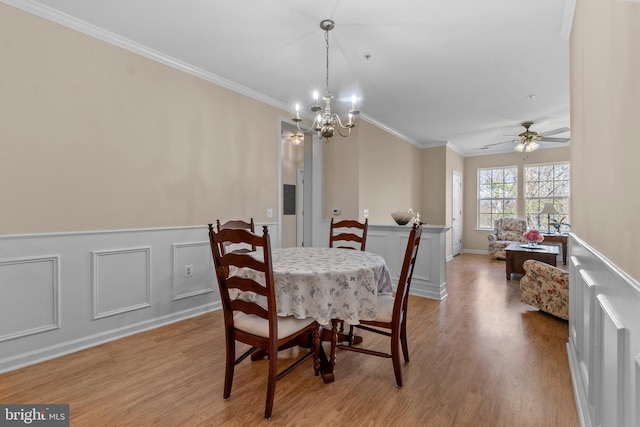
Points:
(478, 358)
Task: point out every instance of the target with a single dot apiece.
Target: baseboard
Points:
(475, 251)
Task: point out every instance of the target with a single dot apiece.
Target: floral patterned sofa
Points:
(546, 287)
(507, 231)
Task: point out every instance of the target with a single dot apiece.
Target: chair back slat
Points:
(357, 234)
(242, 260)
(237, 224)
(243, 284)
(248, 307)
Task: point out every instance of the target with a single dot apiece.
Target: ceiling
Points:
(462, 72)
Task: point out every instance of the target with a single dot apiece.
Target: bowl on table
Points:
(401, 218)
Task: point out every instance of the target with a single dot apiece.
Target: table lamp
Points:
(549, 209)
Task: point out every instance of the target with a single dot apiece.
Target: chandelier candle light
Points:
(327, 123)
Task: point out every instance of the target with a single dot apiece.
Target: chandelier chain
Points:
(326, 39)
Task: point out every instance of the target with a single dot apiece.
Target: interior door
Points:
(456, 220)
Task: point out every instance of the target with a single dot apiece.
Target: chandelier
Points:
(327, 123)
(297, 138)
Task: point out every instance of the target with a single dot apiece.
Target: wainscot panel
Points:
(429, 279)
(63, 292)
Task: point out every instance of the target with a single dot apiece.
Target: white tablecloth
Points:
(328, 283)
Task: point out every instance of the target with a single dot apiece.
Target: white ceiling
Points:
(457, 71)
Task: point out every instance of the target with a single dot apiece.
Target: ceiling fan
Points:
(527, 141)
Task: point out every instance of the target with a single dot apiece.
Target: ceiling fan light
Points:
(532, 146)
(520, 147)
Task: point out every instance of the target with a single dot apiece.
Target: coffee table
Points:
(518, 253)
(558, 238)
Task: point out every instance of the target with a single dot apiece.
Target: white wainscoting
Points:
(429, 279)
(62, 292)
(604, 339)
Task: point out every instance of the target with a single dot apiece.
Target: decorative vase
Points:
(533, 244)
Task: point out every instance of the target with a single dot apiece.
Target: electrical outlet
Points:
(188, 270)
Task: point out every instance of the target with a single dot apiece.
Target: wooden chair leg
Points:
(230, 366)
(395, 358)
(403, 341)
(271, 383)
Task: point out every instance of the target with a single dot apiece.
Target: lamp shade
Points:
(549, 209)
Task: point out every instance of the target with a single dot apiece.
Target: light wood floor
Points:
(478, 358)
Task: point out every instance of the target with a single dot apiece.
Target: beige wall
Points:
(434, 189)
(95, 137)
(389, 175)
(472, 238)
(340, 181)
(373, 170)
(438, 164)
(605, 107)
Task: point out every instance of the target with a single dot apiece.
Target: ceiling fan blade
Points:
(555, 131)
(555, 139)
(498, 143)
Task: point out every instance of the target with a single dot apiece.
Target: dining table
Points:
(328, 285)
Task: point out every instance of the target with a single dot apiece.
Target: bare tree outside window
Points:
(547, 183)
(497, 195)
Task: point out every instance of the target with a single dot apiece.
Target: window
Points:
(548, 183)
(497, 195)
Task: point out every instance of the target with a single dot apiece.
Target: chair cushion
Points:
(385, 308)
(256, 325)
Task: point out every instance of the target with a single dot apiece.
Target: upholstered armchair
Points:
(546, 287)
(507, 231)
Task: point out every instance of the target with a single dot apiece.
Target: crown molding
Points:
(455, 148)
(391, 131)
(567, 19)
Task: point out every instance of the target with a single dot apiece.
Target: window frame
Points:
(536, 220)
(480, 200)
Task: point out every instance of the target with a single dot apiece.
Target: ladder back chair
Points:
(392, 312)
(348, 239)
(237, 224)
(249, 308)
